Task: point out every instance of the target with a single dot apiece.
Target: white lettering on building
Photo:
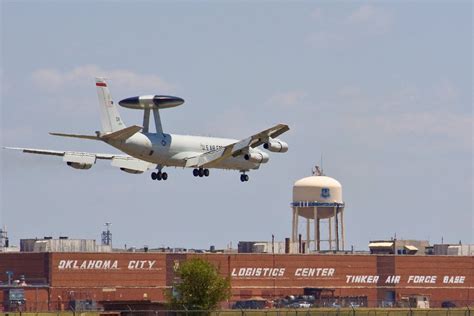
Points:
(422, 279)
(393, 279)
(141, 264)
(258, 272)
(457, 279)
(314, 272)
(88, 265)
(362, 278)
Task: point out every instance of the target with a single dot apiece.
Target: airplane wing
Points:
(212, 157)
(85, 160)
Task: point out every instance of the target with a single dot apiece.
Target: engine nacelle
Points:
(276, 146)
(256, 157)
(79, 165)
(131, 171)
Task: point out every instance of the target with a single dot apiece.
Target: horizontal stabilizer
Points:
(122, 134)
(93, 137)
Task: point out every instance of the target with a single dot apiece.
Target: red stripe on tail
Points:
(101, 84)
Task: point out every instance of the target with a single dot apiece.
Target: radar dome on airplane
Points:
(151, 102)
(320, 190)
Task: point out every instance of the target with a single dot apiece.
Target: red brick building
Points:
(54, 280)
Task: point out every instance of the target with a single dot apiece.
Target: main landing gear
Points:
(244, 177)
(201, 172)
(159, 176)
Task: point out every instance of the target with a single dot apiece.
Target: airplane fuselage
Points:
(172, 150)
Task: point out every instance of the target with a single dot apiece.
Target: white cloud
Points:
(363, 22)
(288, 98)
(317, 14)
(374, 17)
(51, 80)
(435, 123)
(363, 14)
(349, 92)
(446, 91)
(325, 39)
(445, 128)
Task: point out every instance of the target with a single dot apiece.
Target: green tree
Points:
(200, 287)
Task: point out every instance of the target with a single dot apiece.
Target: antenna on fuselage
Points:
(148, 103)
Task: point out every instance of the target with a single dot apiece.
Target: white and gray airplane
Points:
(146, 150)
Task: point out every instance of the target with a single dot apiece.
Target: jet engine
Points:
(79, 165)
(131, 171)
(256, 157)
(276, 146)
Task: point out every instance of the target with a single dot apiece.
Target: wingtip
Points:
(12, 148)
(284, 126)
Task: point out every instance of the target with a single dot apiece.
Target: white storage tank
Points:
(318, 198)
(320, 189)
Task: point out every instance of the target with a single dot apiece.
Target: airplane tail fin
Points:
(109, 115)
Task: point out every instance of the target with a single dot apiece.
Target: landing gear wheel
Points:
(244, 178)
(201, 172)
(164, 176)
(153, 175)
(158, 176)
(195, 172)
(206, 172)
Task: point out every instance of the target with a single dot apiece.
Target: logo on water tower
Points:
(325, 193)
(176, 265)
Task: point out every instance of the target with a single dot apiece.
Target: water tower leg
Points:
(330, 232)
(342, 228)
(294, 235)
(317, 236)
(336, 227)
(307, 234)
(293, 219)
(296, 223)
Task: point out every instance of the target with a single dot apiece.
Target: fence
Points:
(269, 312)
(339, 304)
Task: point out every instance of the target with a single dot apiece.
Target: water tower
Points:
(319, 198)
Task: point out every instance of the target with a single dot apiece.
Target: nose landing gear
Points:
(244, 177)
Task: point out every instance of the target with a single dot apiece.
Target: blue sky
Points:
(382, 89)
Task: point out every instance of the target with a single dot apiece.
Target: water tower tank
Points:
(317, 190)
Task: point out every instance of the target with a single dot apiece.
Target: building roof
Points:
(380, 244)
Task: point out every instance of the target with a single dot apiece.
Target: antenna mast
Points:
(107, 235)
